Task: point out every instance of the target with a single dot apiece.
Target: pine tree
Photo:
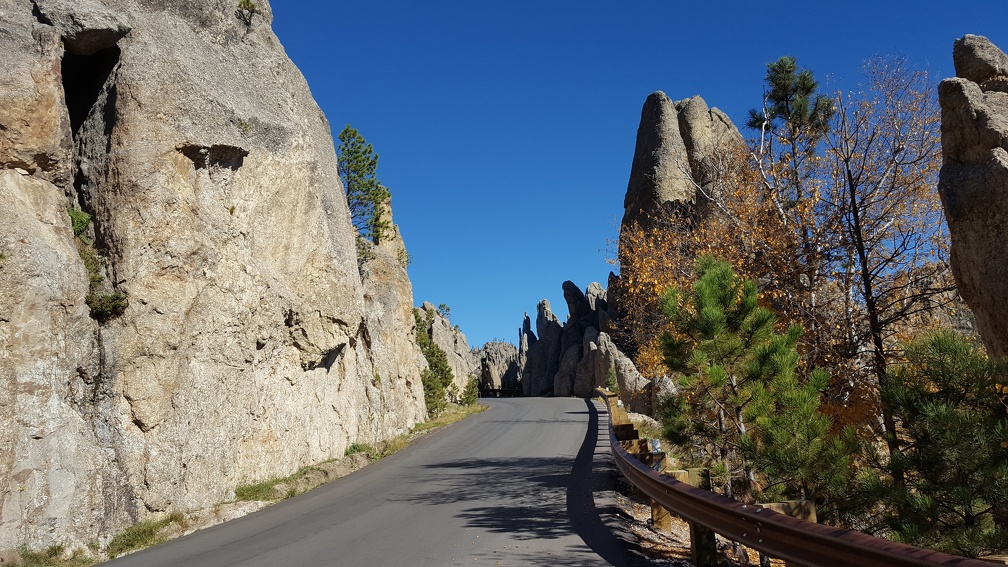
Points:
(438, 378)
(367, 198)
(953, 455)
(738, 380)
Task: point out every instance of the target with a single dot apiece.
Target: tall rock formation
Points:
(252, 344)
(679, 145)
(542, 357)
(575, 358)
(974, 182)
(676, 151)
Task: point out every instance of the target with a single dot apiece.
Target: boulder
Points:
(973, 182)
(85, 26)
(34, 121)
(563, 380)
(978, 60)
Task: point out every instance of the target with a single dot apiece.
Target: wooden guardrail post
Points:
(703, 544)
(801, 509)
(661, 519)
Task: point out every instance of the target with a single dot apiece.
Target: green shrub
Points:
(104, 306)
(247, 9)
(143, 534)
(611, 383)
(357, 448)
(471, 393)
(53, 557)
(949, 398)
(438, 379)
(257, 491)
(79, 220)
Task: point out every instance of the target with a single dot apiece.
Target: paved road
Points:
(511, 486)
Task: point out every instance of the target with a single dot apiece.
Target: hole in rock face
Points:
(83, 79)
(215, 156)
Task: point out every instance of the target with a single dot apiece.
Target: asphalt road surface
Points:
(514, 485)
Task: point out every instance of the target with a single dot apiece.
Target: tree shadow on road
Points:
(533, 498)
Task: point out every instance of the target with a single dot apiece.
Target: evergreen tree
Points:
(953, 454)
(471, 393)
(367, 198)
(738, 380)
(438, 378)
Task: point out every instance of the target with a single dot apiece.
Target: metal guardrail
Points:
(771, 533)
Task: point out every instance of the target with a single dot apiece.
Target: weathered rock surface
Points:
(499, 366)
(542, 358)
(974, 182)
(252, 344)
(463, 362)
(58, 469)
(34, 125)
(583, 358)
(676, 143)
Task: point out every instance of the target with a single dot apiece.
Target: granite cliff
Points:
(211, 325)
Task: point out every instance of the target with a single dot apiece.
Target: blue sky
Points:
(506, 130)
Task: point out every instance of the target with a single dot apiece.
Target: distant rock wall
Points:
(499, 366)
(974, 182)
(253, 343)
(463, 362)
(575, 358)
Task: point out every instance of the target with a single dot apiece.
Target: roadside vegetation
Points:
(804, 306)
(103, 306)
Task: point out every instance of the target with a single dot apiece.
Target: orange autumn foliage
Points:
(801, 245)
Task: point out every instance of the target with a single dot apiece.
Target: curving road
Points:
(515, 485)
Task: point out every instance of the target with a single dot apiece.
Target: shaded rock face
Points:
(676, 143)
(463, 362)
(253, 343)
(580, 358)
(499, 366)
(973, 182)
(542, 357)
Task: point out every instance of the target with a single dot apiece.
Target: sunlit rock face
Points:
(974, 182)
(253, 343)
(676, 149)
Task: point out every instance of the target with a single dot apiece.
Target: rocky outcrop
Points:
(252, 343)
(499, 366)
(542, 356)
(674, 171)
(974, 182)
(463, 362)
(676, 152)
(580, 357)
